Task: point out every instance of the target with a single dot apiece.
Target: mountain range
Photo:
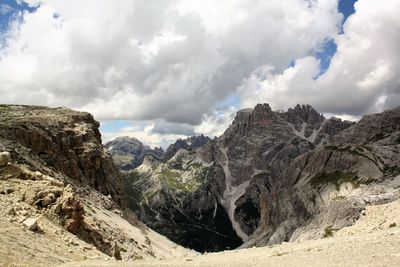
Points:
(271, 177)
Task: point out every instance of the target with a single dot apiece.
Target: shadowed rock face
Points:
(235, 175)
(67, 140)
(329, 186)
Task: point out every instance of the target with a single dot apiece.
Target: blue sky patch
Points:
(346, 7)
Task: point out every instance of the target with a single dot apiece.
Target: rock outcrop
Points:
(68, 141)
(55, 171)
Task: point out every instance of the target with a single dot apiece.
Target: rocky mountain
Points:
(189, 143)
(60, 192)
(327, 188)
(128, 152)
(222, 188)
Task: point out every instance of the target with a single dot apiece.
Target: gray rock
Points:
(255, 150)
(189, 143)
(129, 152)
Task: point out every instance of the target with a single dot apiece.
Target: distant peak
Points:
(307, 113)
(263, 107)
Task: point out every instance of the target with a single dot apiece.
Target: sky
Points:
(160, 70)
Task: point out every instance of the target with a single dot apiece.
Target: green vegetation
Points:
(121, 159)
(336, 178)
(132, 193)
(328, 232)
(173, 180)
(339, 197)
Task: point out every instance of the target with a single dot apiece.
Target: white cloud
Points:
(5, 9)
(149, 60)
(363, 76)
(145, 134)
(172, 62)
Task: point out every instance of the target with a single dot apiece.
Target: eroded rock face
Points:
(237, 173)
(57, 171)
(328, 187)
(66, 140)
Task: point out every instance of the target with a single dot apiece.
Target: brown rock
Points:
(66, 140)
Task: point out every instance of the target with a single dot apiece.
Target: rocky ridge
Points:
(57, 182)
(238, 169)
(191, 143)
(128, 152)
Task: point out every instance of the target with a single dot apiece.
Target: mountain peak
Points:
(304, 113)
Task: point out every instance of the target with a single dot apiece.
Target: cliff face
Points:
(57, 180)
(327, 188)
(230, 177)
(69, 141)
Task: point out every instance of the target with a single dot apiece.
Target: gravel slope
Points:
(373, 241)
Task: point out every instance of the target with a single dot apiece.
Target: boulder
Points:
(31, 224)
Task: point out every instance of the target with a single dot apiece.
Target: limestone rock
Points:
(66, 140)
(31, 224)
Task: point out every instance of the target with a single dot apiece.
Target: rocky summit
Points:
(61, 197)
(271, 177)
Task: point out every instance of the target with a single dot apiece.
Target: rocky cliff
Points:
(224, 185)
(128, 152)
(60, 191)
(65, 140)
(190, 143)
(327, 188)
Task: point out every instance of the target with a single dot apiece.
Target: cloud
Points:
(146, 134)
(5, 9)
(363, 76)
(155, 60)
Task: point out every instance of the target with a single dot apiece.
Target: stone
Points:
(5, 158)
(11, 211)
(31, 224)
(47, 200)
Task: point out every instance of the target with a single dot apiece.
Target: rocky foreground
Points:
(374, 240)
(61, 197)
